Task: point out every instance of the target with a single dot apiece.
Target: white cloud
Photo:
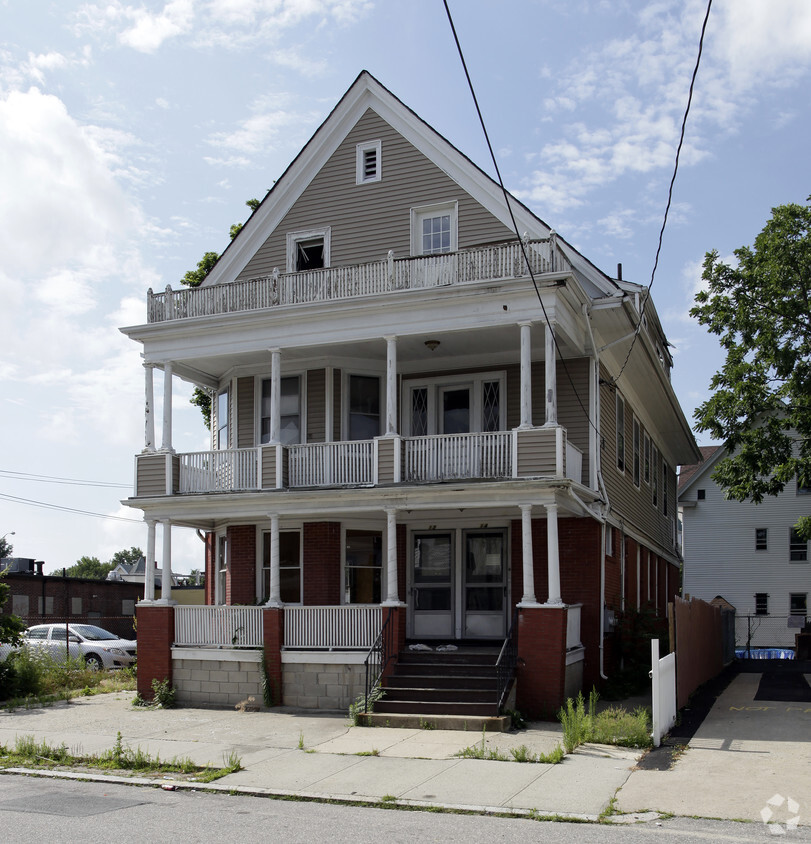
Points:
(149, 30)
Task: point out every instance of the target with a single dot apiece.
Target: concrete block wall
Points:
(323, 686)
(216, 682)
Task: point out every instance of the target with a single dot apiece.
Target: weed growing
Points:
(615, 725)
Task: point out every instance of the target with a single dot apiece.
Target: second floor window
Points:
(798, 548)
(364, 407)
(761, 603)
(289, 410)
(761, 539)
(222, 420)
(620, 433)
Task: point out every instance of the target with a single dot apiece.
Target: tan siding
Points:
(150, 475)
(336, 405)
(269, 467)
(369, 220)
(316, 406)
(385, 460)
(573, 415)
(627, 501)
(536, 452)
(245, 415)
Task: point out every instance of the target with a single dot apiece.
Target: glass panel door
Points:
(432, 586)
(485, 569)
(455, 410)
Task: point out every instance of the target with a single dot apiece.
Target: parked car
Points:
(98, 647)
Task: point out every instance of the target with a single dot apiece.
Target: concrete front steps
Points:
(452, 690)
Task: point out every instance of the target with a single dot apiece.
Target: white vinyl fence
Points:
(663, 678)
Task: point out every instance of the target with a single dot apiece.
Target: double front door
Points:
(458, 584)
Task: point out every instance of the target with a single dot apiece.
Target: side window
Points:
(363, 568)
(434, 229)
(289, 410)
(655, 476)
(289, 566)
(637, 455)
(646, 460)
(222, 420)
(798, 603)
(798, 547)
(761, 539)
(761, 603)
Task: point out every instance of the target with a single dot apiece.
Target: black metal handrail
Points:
(506, 662)
(378, 658)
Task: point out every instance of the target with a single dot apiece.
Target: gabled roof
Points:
(365, 93)
(689, 474)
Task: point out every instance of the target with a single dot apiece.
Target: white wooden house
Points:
(417, 424)
(748, 554)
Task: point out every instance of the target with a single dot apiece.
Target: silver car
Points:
(99, 648)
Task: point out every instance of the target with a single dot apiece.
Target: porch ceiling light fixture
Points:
(432, 344)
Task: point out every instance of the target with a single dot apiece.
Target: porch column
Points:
(391, 385)
(166, 445)
(526, 376)
(275, 598)
(275, 394)
(528, 599)
(166, 576)
(552, 555)
(149, 407)
(551, 378)
(392, 595)
(149, 570)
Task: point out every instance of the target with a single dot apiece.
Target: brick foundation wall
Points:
(240, 585)
(541, 680)
(273, 635)
(322, 563)
(156, 635)
(211, 566)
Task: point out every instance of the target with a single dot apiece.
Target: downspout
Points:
(602, 602)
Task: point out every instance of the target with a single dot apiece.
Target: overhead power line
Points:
(27, 476)
(60, 508)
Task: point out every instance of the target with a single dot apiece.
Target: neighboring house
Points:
(408, 429)
(136, 573)
(748, 554)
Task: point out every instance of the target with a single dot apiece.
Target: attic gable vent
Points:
(367, 163)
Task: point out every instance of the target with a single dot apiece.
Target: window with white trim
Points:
(646, 460)
(798, 547)
(798, 603)
(363, 422)
(761, 539)
(289, 566)
(368, 163)
(664, 488)
(655, 476)
(308, 249)
(434, 229)
(289, 410)
(455, 404)
(222, 420)
(363, 567)
(761, 603)
(620, 419)
(637, 456)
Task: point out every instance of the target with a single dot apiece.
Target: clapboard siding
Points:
(150, 474)
(537, 452)
(316, 406)
(385, 459)
(573, 404)
(370, 219)
(631, 503)
(245, 413)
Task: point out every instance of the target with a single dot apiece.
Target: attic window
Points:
(367, 163)
(308, 250)
(434, 229)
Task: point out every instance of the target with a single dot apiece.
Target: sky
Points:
(132, 133)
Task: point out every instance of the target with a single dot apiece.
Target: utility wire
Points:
(512, 217)
(59, 507)
(27, 476)
(646, 296)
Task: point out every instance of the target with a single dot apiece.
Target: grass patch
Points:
(373, 752)
(27, 752)
(615, 725)
(517, 754)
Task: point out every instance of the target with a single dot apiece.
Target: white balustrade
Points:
(486, 264)
(219, 626)
(458, 456)
(348, 627)
(328, 464)
(574, 462)
(220, 471)
(573, 626)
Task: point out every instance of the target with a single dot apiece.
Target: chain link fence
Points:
(766, 632)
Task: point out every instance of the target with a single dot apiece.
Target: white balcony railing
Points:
(219, 627)
(220, 471)
(348, 627)
(328, 464)
(486, 264)
(458, 456)
(574, 462)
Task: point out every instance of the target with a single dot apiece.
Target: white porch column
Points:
(551, 378)
(392, 594)
(149, 408)
(166, 444)
(166, 575)
(275, 394)
(526, 376)
(528, 599)
(391, 385)
(275, 598)
(552, 555)
(149, 566)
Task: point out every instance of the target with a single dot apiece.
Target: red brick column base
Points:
(541, 679)
(397, 620)
(156, 635)
(273, 628)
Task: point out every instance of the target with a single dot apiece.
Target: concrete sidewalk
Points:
(321, 756)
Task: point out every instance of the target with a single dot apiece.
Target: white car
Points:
(99, 648)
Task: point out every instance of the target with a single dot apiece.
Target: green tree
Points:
(126, 557)
(194, 278)
(90, 567)
(11, 627)
(5, 548)
(761, 404)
